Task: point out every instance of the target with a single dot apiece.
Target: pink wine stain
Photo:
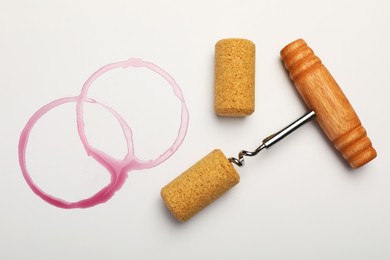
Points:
(118, 169)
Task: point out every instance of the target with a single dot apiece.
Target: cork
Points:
(200, 185)
(234, 80)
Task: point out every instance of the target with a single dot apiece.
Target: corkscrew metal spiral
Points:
(273, 139)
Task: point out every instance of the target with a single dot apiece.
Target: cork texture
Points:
(200, 185)
(234, 82)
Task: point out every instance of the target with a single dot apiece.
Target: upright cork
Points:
(200, 185)
(333, 111)
(234, 84)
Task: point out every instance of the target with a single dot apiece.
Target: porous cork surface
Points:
(234, 79)
(200, 185)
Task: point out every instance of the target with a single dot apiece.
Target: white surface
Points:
(297, 200)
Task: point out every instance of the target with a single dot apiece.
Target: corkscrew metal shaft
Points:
(273, 139)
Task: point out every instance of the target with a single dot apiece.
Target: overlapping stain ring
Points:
(118, 169)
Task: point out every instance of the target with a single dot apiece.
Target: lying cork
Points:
(234, 83)
(200, 185)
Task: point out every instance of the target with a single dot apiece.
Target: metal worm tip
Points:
(240, 161)
(273, 139)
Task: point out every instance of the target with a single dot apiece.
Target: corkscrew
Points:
(329, 105)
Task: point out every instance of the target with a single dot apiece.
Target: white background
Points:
(298, 200)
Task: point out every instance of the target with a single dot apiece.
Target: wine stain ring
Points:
(118, 169)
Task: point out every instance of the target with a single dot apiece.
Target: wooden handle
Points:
(333, 111)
